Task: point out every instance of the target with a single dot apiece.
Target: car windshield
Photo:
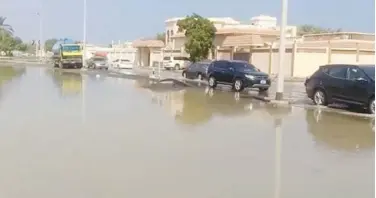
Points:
(370, 71)
(167, 58)
(71, 48)
(244, 67)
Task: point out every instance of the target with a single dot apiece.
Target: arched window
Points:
(168, 36)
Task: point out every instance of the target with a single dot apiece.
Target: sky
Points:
(132, 19)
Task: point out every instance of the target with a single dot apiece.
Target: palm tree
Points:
(5, 27)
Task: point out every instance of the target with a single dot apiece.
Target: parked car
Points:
(196, 70)
(98, 63)
(122, 64)
(238, 74)
(353, 85)
(175, 62)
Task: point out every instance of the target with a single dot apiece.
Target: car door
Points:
(191, 70)
(229, 73)
(356, 86)
(220, 67)
(335, 84)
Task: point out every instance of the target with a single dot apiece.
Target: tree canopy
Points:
(49, 44)
(200, 34)
(312, 29)
(5, 27)
(9, 42)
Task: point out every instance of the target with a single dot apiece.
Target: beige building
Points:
(257, 42)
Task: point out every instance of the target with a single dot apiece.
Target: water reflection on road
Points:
(90, 136)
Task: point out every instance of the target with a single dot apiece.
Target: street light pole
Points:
(41, 47)
(84, 39)
(282, 48)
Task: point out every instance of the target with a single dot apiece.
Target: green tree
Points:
(7, 43)
(161, 36)
(200, 34)
(5, 28)
(49, 44)
(311, 29)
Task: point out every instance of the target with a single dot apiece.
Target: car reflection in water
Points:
(194, 106)
(341, 132)
(69, 84)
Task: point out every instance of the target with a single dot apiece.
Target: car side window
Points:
(221, 64)
(355, 73)
(338, 72)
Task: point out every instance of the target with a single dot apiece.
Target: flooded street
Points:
(71, 135)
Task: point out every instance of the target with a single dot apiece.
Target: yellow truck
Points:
(68, 56)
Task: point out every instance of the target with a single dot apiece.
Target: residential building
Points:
(231, 35)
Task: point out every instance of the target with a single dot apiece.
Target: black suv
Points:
(196, 70)
(353, 85)
(238, 74)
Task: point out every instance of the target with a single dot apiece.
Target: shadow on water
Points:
(341, 132)
(68, 83)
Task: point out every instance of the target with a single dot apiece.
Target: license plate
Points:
(262, 81)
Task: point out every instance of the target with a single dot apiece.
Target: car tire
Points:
(184, 74)
(238, 85)
(371, 106)
(320, 98)
(212, 82)
(177, 67)
(263, 89)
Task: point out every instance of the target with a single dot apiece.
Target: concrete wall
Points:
(308, 62)
(269, 62)
(302, 62)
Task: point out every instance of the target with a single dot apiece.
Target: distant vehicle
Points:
(175, 62)
(67, 56)
(122, 64)
(238, 74)
(196, 70)
(98, 62)
(353, 85)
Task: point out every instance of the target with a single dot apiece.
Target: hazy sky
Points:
(132, 19)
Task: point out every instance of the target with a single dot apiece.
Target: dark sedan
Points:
(196, 70)
(353, 85)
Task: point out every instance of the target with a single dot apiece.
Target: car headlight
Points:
(250, 76)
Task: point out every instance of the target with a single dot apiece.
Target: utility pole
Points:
(84, 39)
(282, 48)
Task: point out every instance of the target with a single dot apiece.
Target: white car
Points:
(122, 64)
(175, 62)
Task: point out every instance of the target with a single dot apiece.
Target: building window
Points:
(168, 36)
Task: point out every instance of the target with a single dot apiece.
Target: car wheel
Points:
(177, 67)
(319, 98)
(184, 75)
(371, 106)
(263, 89)
(238, 85)
(212, 82)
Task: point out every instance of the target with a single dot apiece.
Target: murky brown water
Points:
(82, 136)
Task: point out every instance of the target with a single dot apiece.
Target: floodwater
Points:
(71, 135)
